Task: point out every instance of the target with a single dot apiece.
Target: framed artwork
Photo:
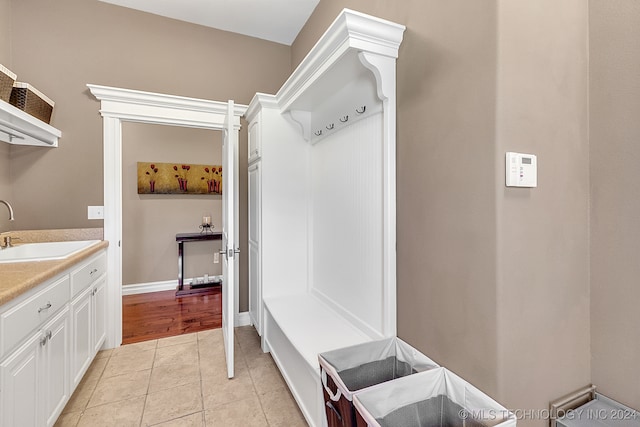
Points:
(179, 178)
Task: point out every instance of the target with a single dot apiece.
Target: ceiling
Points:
(279, 21)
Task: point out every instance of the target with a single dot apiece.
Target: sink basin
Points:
(45, 251)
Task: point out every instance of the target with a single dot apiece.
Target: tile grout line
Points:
(200, 375)
(204, 417)
(86, 406)
(264, 414)
(144, 405)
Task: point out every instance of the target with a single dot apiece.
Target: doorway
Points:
(125, 105)
(151, 221)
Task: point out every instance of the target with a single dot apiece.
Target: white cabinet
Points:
(255, 276)
(277, 206)
(48, 338)
(21, 373)
(88, 313)
(82, 344)
(35, 377)
(55, 372)
(254, 141)
(99, 313)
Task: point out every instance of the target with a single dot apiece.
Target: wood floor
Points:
(160, 314)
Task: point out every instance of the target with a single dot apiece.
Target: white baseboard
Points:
(144, 288)
(166, 285)
(242, 319)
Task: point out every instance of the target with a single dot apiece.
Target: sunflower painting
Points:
(178, 178)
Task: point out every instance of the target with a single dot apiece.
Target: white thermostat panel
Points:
(521, 170)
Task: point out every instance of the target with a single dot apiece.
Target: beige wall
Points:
(491, 280)
(615, 201)
(542, 258)
(5, 33)
(94, 42)
(6, 192)
(151, 221)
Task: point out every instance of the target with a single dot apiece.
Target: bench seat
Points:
(297, 328)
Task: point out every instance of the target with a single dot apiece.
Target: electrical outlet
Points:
(95, 212)
(216, 257)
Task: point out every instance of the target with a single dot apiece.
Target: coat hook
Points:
(361, 109)
(318, 132)
(344, 119)
(330, 126)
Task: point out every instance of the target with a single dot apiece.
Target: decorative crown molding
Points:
(353, 31)
(151, 99)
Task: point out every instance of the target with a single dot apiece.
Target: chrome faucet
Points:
(7, 240)
(4, 202)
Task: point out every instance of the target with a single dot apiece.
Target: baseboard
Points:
(166, 285)
(144, 288)
(243, 319)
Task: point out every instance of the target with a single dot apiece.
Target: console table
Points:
(194, 288)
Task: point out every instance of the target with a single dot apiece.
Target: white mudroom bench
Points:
(322, 203)
(297, 329)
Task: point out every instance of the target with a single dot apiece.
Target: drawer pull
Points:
(46, 307)
(45, 338)
(91, 273)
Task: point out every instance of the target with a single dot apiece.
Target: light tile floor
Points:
(182, 381)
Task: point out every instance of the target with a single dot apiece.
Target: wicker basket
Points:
(7, 78)
(32, 101)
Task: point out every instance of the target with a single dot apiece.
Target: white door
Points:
(81, 344)
(255, 288)
(21, 382)
(230, 248)
(55, 372)
(99, 306)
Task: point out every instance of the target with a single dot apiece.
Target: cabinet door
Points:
(254, 140)
(82, 340)
(255, 294)
(255, 273)
(99, 313)
(55, 366)
(254, 202)
(20, 376)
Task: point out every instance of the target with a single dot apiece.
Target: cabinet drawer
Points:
(17, 322)
(85, 275)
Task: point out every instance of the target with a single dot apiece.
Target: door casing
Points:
(118, 105)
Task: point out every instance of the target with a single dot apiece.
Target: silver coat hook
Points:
(318, 132)
(344, 119)
(361, 109)
(330, 126)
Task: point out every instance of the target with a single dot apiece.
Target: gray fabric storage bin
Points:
(348, 370)
(435, 398)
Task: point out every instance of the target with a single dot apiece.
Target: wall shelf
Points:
(20, 128)
(352, 66)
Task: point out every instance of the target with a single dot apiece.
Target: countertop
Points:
(19, 277)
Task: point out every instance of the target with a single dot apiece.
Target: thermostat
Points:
(521, 170)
